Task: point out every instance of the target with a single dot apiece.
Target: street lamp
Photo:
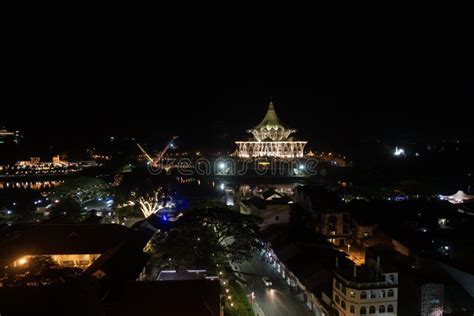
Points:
(349, 249)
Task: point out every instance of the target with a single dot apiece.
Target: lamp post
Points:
(349, 250)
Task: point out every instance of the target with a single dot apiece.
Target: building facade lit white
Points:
(352, 295)
(271, 139)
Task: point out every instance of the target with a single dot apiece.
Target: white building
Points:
(365, 291)
(271, 138)
(272, 208)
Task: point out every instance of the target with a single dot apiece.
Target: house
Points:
(270, 206)
(306, 268)
(336, 226)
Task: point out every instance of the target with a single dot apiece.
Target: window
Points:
(381, 309)
(343, 305)
(363, 311)
(363, 295)
(382, 294)
(390, 309)
(343, 290)
(391, 278)
(352, 309)
(338, 285)
(337, 299)
(372, 294)
(390, 293)
(353, 294)
(372, 310)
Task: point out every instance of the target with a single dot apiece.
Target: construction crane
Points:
(155, 162)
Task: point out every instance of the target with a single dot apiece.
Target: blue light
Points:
(165, 218)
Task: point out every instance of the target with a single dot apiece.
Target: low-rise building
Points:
(336, 226)
(75, 245)
(271, 208)
(365, 290)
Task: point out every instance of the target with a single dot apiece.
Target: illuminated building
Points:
(271, 138)
(4, 134)
(335, 226)
(66, 245)
(457, 198)
(432, 299)
(365, 290)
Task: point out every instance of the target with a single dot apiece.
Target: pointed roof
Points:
(271, 118)
(458, 197)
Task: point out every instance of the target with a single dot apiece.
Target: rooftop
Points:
(63, 239)
(364, 277)
(196, 297)
(271, 119)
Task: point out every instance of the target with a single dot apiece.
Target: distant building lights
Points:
(399, 152)
(22, 261)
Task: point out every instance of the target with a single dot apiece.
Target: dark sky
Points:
(88, 96)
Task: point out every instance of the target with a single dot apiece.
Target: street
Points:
(275, 300)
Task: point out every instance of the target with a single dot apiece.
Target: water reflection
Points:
(29, 185)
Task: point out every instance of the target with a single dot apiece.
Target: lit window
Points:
(391, 278)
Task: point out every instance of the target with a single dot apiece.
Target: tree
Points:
(81, 189)
(151, 203)
(211, 236)
(68, 209)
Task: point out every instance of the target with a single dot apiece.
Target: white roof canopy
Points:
(458, 197)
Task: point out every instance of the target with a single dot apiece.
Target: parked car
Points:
(267, 281)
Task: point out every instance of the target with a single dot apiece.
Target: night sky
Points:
(62, 99)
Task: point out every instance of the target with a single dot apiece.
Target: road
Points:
(275, 301)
